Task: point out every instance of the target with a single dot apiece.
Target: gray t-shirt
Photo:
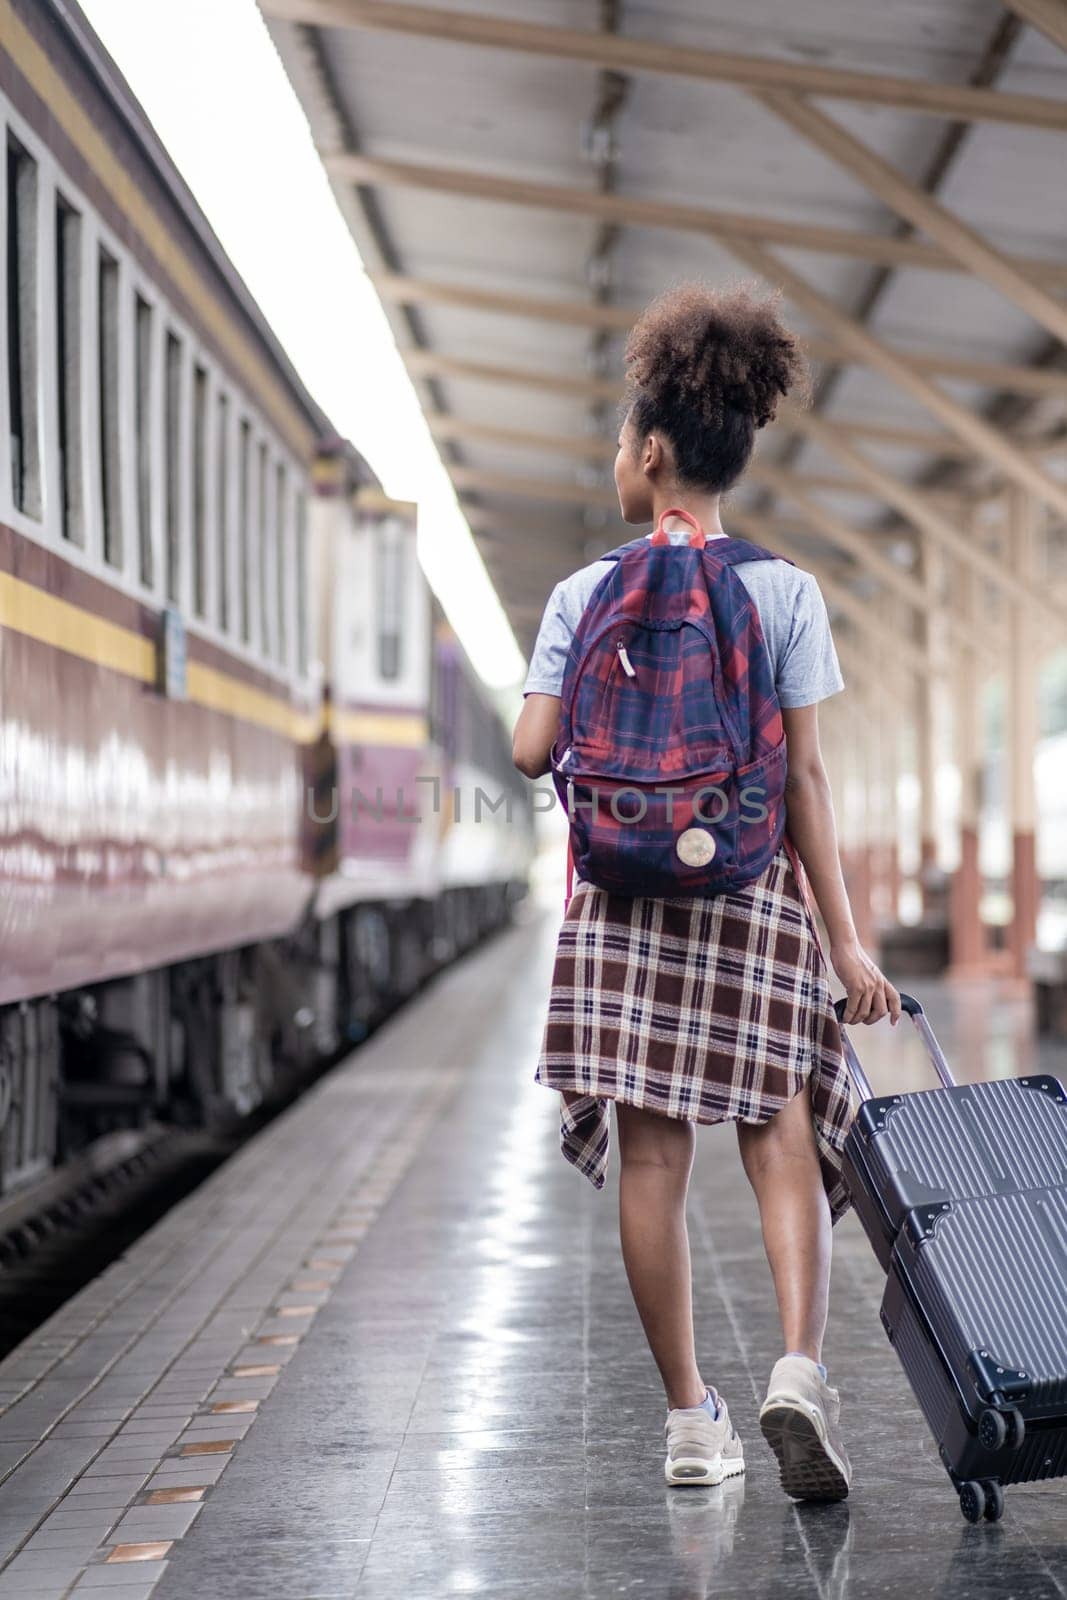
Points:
(791, 610)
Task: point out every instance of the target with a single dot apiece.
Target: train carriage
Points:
(204, 633)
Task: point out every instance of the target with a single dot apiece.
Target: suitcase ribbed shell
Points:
(991, 1276)
(975, 1139)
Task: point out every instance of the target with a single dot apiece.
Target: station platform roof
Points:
(521, 180)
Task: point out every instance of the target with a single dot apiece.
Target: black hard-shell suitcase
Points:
(961, 1141)
(963, 1193)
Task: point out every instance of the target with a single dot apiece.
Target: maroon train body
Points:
(229, 733)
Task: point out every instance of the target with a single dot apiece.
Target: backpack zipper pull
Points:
(624, 659)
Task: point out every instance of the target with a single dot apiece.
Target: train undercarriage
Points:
(210, 1042)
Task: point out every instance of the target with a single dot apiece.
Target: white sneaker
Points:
(701, 1449)
(800, 1420)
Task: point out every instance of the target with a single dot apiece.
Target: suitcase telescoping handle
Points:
(915, 1011)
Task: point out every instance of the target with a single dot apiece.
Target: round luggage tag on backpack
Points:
(696, 847)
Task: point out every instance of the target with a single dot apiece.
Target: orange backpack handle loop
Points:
(697, 538)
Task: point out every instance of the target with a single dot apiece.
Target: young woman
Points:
(718, 1007)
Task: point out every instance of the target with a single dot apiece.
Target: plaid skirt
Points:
(711, 1010)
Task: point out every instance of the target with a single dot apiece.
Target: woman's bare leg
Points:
(782, 1164)
(656, 1156)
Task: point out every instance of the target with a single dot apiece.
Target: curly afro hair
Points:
(706, 368)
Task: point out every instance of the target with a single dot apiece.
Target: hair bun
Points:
(717, 350)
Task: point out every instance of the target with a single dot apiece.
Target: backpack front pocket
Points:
(698, 834)
(659, 839)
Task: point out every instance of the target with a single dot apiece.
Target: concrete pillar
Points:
(967, 936)
(1021, 732)
(893, 735)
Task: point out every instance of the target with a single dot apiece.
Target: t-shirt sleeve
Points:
(809, 670)
(545, 674)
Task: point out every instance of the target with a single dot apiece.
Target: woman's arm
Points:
(535, 734)
(811, 826)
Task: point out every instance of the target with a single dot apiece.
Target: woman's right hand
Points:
(871, 996)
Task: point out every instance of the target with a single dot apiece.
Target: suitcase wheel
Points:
(999, 1428)
(972, 1501)
(992, 1430)
(985, 1499)
(994, 1500)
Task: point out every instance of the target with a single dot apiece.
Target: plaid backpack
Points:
(670, 757)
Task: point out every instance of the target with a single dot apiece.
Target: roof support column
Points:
(894, 714)
(1022, 732)
(928, 730)
(968, 953)
(882, 721)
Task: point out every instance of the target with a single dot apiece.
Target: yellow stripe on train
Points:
(45, 617)
(218, 691)
(407, 728)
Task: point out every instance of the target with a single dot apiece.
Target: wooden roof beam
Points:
(634, 211)
(1047, 16)
(796, 487)
(509, 303)
(1015, 379)
(432, 364)
(987, 440)
(918, 509)
(476, 480)
(791, 487)
(912, 657)
(911, 654)
(1013, 279)
(596, 448)
(916, 506)
(957, 102)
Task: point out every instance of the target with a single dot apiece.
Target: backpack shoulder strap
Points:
(731, 552)
(623, 549)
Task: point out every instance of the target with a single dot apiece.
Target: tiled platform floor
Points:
(469, 1408)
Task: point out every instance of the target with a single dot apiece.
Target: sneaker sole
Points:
(808, 1468)
(690, 1472)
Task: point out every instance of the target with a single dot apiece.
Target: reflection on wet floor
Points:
(475, 1411)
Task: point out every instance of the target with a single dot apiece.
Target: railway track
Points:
(61, 1232)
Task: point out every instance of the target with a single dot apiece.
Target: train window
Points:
(173, 441)
(391, 551)
(143, 427)
(110, 480)
(22, 328)
(301, 585)
(281, 560)
(222, 507)
(263, 524)
(69, 368)
(200, 401)
(244, 496)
